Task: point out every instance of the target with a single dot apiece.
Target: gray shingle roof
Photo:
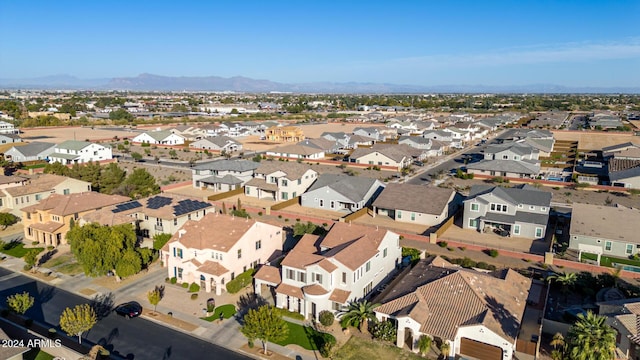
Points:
(34, 148)
(73, 145)
(227, 179)
(517, 148)
(352, 187)
(220, 141)
(510, 166)
(418, 198)
(229, 165)
(514, 195)
(160, 135)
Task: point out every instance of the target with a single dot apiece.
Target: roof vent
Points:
(181, 232)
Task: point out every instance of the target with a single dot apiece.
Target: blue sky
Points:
(573, 43)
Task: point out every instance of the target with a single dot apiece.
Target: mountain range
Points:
(150, 82)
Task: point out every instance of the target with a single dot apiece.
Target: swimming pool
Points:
(627, 267)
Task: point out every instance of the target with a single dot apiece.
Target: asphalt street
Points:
(137, 338)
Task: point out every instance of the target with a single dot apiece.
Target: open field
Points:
(60, 134)
(589, 140)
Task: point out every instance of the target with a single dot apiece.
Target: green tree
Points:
(566, 280)
(384, 330)
(56, 168)
(424, 344)
(31, 258)
(154, 296)
(111, 178)
(136, 156)
(301, 228)
(445, 348)
(590, 338)
(359, 314)
(141, 184)
(159, 240)
(100, 249)
(78, 320)
(20, 302)
(121, 114)
(264, 324)
(173, 154)
(7, 219)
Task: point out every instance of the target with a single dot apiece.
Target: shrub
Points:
(279, 216)
(384, 330)
(326, 318)
(167, 280)
(240, 282)
(194, 296)
(174, 280)
(194, 288)
(467, 263)
(145, 144)
(50, 247)
(482, 265)
(35, 243)
(27, 267)
(185, 285)
(298, 220)
(286, 220)
(442, 244)
(493, 252)
(259, 213)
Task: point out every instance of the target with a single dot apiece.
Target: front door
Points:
(313, 310)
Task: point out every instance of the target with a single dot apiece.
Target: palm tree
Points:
(590, 338)
(444, 349)
(565, 280)
(616, 275)
(424, 344)
(558, 340)
(359, 314)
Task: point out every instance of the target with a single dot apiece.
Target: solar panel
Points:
(126, 206)
(157, 202)
(187, 206)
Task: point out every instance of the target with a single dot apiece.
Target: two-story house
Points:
(158, 214)
(326, 273)
(36, 189)
(9, 138)
(382, 156)
(512, 159)
(217, 248)
(29, 152)
(341, 138)
(284, 134)
(164, 137)
(339, 192)
(217, 144)
(48, 221)
(223, 175)
(7, 128)
(79, 152)
(280, 180)
(376, 133)
(519, 212)
(297, 151)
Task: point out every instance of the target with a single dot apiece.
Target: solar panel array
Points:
(157, 202)
(126, 206)
(187, 206)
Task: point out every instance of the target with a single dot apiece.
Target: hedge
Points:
(240, 282)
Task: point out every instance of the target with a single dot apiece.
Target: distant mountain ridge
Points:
(151, 82)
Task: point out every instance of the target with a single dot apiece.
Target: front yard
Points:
(360, 349)
(16, 249)
(306, 337)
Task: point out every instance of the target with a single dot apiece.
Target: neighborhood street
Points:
(137, 338)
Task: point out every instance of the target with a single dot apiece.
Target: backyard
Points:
(612, 261)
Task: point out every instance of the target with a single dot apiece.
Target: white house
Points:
(30, 152)
(164, 137)
(327, 273)
(280, 180)
(79, 152)
(213, 251)
(217, 143)
(297, 151)
(7, 128)
(223, 175)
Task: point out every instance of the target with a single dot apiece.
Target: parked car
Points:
(129, 310)
(418, 163)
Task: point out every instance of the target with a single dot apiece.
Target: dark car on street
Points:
(129, 310)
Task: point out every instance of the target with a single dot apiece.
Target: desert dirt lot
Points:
(60, 134)
(589, 140)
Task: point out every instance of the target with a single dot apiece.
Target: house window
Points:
(66, 192)
(285, 196)
(273, 180)
(239, 253)
(38, 197)
(189, 217)
(516, 229)
(368, 266)
(175, 222)
(413, 216)
(367, 289)
(473, 223)
(629, 249)
(291, 275)
(179, 273)
(531, 207)
(505, 157)
(475, 207)
(538, 232)
(520, 206)
(29, 217)
(344, 277)
(318, 278)
(607, 245)
(499, 207)
(332, 204)
(384, 253)
(302, 277)
(321, 203)
(179, 253)
(543, 208)
(258, 244)
(284, 182)
(247, 190)
(399, 214)
(146, 217)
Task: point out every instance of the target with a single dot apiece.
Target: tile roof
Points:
(321, 144)
(296, 149)
(44, 182)
(351, 244)
(339, 296)
(227, 179)
(270, 274)
(515, 147)
(391, 152)
(616, 164)
(63, 205)
(73, 145)
(220, 141)
(107, 217)
(262, 184)
(49, 226)
(314, 290)
(354, 188)
(64, 156)
(214, 231)
(160, 135)
(606, 222)
(4, 179)
(164, 206)
(304, 253)
(289, 290)
(213, 268)
(292, 169)
(417, 198)
(464, 297)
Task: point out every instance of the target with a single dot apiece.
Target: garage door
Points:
(478, 350)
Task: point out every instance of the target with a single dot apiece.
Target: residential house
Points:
(223, 175)
(520, 212)
(37, 189)
(217, 143)
(79, 152)
(339, 192)
(417, 204)
(284, 134)
(605, 121)
(461, 307)
(326, 145)
(430, 147)
(297, 151)
(280, 180)
(381, 156)
(326, 273)
(9, 138)
(8, 128)
(458, 135)
(164, 137)
(217, 248)
(30, 152)
(622, 315)
(13, 349)
(188, 132)
(520, 134)
(341, 138)
(609, 151)
(48, 221)
(443, 136)
(377, 133)
(623, 168)
(512, 159)
(11, 181)
(157, 214)
(356, 141)
(604, 230)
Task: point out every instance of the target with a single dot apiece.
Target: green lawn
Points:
(16, 249)
(306, 337)
(361, 349)
(606, 260)
(37, 354)
(227, 311)
(60, 260)
(70, 269)
(36, 166)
